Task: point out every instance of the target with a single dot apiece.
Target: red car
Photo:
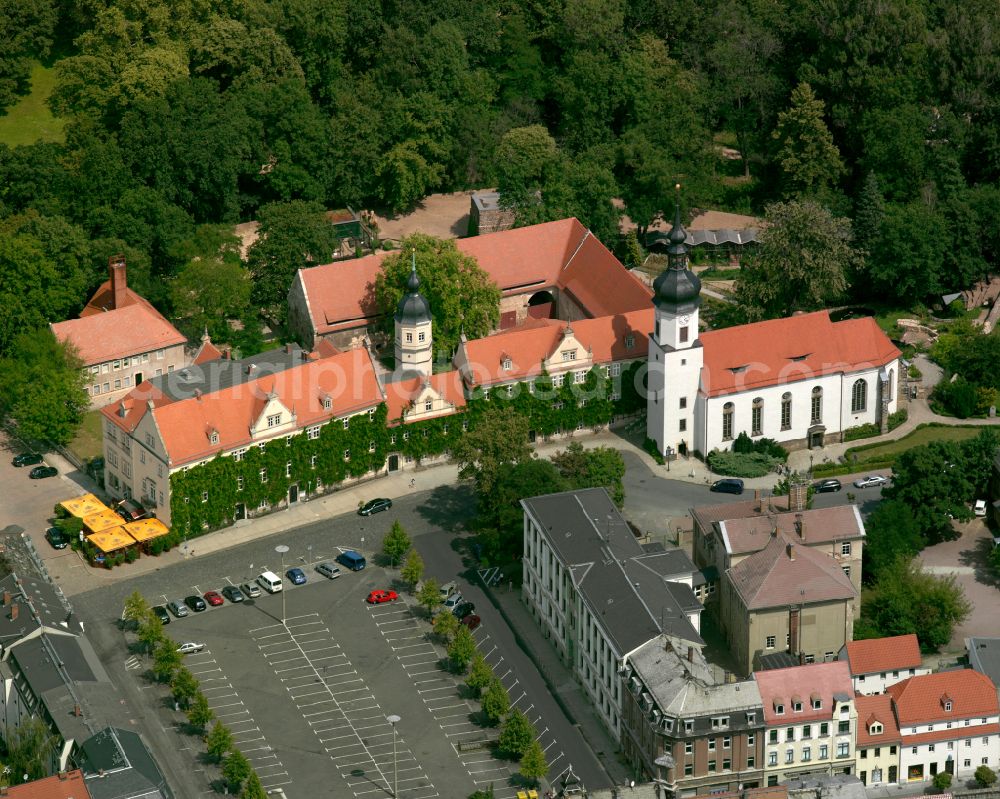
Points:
(472, 621)
(213, 598)
(378, 597)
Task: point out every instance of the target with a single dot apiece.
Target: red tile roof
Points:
(528, 344)
(871, 709)
(796, 348)
(884, 654)
(69, 786)
(951, 735)
(819, 525)
(206, 352)
(787, 573)
(921, 699)
(119, 333)
(103, 300)
(707, 515)
(803, 683)
(186, 424)
(401, 394)
(561, 254)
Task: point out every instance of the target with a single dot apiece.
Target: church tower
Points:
(414, 354)
(675, 355)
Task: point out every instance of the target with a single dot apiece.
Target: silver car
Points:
(251, 590)
(190, 648)
(177, 607)
(327, 569)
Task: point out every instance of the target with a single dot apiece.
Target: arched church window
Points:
(817, 405)
(727, 421)
(786, 410)
(859, 396)
(757, 417)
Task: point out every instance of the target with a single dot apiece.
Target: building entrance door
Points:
(293, 493)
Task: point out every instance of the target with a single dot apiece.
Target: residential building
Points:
(949, 721)
(810, 720)
(121, 339)
(801, 381)
(221, 408)
(984, 656)
(787, 597)
(118, 765)
(598, 594)
(64, 785)
(877, 663)
(674, 705)
(878, 740)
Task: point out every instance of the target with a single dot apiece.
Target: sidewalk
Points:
(561, 684)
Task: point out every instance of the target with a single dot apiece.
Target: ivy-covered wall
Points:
(205, 497)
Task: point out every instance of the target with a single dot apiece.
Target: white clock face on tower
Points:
(684, 319)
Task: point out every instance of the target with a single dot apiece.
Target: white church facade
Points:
(802, 380)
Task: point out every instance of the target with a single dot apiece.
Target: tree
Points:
(809, 160)
(480, 675)
(495, 702)
(480, 794)
(166, 659)
(461, 649)
(869, 211)
(150, 633)
(219, 741)
(199, 714)
(30, 748)
(533, 763)
(523, 158)
(985, 777)
(516, 735)
(42, 388)
(136, 609)
(462, 296)
(445, 626)
(413, 568)
(209, 291)
(236, 770)
(601, 467)
(253, 788)
(804, 256)
(290, 236)
(396, 543)
(942, 781)
(429, 595)
(183, 686)
(499, 438)
(890, 531)
(907, 259)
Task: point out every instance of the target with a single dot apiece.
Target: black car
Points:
(195, 602)
(232, 593)
(131, 511)
(56, 538)
(161, 613)
(41, 472)
(728, 485)
(464, 609)
(824, 486)
(27, 459)
(375, 506)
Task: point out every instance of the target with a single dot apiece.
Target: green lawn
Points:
(89, 442)
(922, 435)
(30, 120)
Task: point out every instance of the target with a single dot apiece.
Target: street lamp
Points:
(281, 549)
(394, 720)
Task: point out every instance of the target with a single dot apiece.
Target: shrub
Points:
(768, 446)
(942, 781)
(914, 372)
(743, 444)
(861, 431)
(897, 418)
(985, 776)
(735, 464)
(958, 397)
(650, 446)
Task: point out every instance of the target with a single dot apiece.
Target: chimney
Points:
(791, 552)
(62, 775)
(798, 495)
(774, 526)
(14, 610)
(6, 598)
(756, 499)
(793, 634)
(77, 711)
(288, 348)
(116, 266)
(800, 527)
(197, 394)
(690, 654)
(250, 368)
(770, 504)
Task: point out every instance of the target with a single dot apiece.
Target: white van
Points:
(270, 582)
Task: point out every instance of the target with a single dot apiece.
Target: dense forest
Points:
(191, 113)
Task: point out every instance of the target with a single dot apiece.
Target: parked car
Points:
(826, 486)
(728, 485)
(448, 589)
(27, 459)
(871, 481)
(472, 621)
(56, 538)
(375, 506)
(232, 593)
(161, 613)
(176, 607)
(190, 647)
(327, 569)
(252, 590)
(131, 511)
(453, 601)
(213, 598)
(352, 560)
(296, 575)
(41, 472)
(463, 610)
(380, 596)
(979, 509)
(195, 602)
(95, 468)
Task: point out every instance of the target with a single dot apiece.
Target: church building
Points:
(801, 381)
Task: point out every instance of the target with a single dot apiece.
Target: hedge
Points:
(741, 464)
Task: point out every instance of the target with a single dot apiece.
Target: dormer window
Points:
(817, 703)
(429, 405)
(739, 369)
(779, 709)
(946, 703)
(875, 728)
(274, 420)
(798, 358)
(629, 341)
(507, 365)
(327, 403)
(213, 437)
(569, 355)
(797, 707)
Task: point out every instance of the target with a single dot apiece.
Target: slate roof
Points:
(822, 681)
(921, 699)
(984, 656)
(819, 525)
(779, 351)
(883, 654)
(129, 769)
(787, 573)
(618, 581)
(707, 515)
